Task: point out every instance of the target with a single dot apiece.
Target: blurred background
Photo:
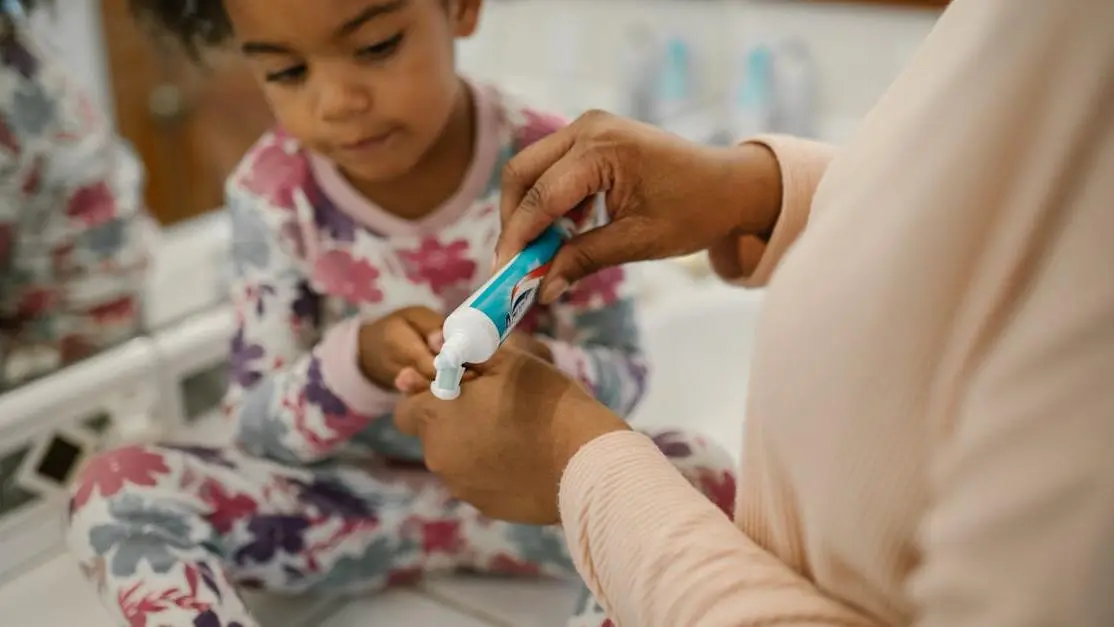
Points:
(710, 70)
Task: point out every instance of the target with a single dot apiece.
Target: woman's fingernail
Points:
(554, 290)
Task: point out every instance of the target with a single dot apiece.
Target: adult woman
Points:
(929, 433)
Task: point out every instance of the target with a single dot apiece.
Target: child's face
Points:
(370, 84)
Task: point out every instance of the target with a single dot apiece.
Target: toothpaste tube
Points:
(480, 325)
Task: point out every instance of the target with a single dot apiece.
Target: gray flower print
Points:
(142, 532)
(260, 433)
(544, 546)
(249, 240)
(32, 111)
(105, 239)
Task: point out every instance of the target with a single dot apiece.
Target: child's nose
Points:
(341, 100)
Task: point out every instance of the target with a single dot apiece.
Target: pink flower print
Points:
(276, 174)
(122, 309)
(719, 486)
(75, 347)
(441, 266)
(442, 536)
(226, 508)
(92, 205)
(508, 565)
(34, 179)
(37, 301)
(109, 472)
(599, 289)
(404, 577)
(536, 126)
(354, 279)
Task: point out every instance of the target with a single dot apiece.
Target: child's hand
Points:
(410, 381)
(395, 351)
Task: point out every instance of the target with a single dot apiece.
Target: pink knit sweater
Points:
(931, 427)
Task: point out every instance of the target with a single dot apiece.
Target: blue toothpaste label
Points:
(507, 297)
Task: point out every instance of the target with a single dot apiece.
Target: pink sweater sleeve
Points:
(656, 553)
(802, 163)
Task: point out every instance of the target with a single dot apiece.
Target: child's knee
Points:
(706, 465)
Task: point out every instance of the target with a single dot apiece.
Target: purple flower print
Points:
(276, 174)
(271, 535)
(672, 444)
(343, 275)
(212, 456)
(306, 306)
(329, 218)
(601, 288)
(441, 266)
(242, 357)
(210, 619)
(317, 393)
(16, 55)
(333, 499)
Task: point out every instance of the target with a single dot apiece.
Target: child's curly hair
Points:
(195, 24)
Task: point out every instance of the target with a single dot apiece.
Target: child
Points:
(72, 256)
(357, 226)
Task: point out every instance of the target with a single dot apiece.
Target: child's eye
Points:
(289, 75)
(381, 50)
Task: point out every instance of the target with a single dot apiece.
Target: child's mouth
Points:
(370, 143)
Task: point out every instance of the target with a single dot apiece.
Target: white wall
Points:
(565, 53)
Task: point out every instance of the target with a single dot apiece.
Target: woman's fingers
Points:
(544, 186)
(625, 240)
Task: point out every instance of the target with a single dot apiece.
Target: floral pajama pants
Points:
(169, 533)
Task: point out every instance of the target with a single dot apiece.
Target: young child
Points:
(358, 224)
(72, 252)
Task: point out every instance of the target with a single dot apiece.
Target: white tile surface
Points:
(508, 602)
(399, 607)
(29, 600)
(53, 595)
(700, 348)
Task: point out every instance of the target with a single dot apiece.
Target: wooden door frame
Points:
(223, 113)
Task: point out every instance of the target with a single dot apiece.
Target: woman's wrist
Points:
(756, 180)
(582, 422)
(756, 183)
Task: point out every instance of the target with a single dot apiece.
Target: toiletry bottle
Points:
(794, 85)
(751, 99)
(476, 329)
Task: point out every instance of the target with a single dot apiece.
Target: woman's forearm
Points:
(657, 553)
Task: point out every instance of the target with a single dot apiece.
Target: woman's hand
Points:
(505, 442)
(665, 196)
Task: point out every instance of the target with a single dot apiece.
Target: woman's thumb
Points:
(610, 245)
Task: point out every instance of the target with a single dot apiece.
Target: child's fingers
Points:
(436, 341)
(410, 381)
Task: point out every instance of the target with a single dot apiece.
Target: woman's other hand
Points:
(505, 442)
(665, 196)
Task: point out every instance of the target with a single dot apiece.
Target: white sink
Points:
(699, 345)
